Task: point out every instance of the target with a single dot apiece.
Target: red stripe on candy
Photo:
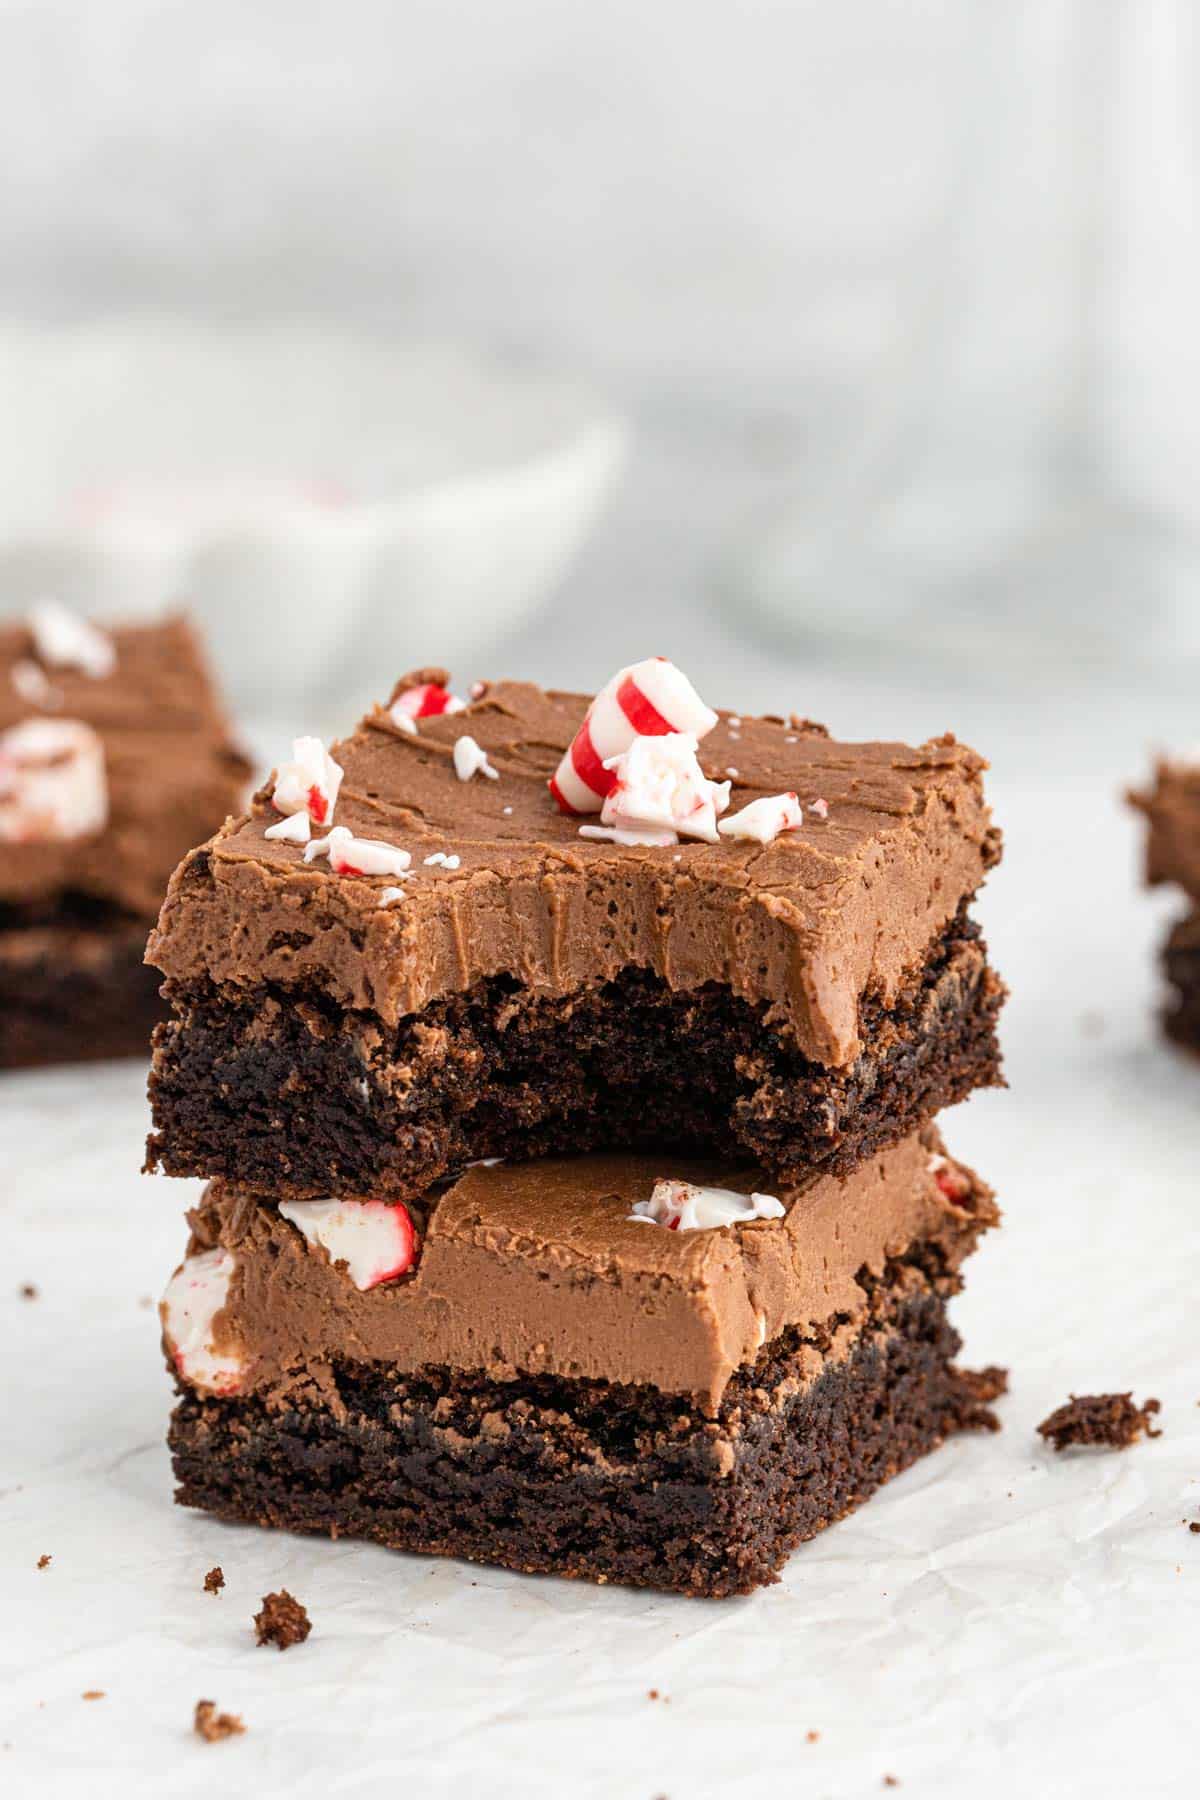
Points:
(587, 764)
(646, 719)
(317, 806)
(564, 805)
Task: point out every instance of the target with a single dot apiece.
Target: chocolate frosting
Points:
(808, 924)
(1172, 807)
(172, 770)
(536, 1268)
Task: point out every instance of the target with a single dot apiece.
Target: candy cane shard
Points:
(53, 785)
(427, 701)
(350, 855)
(659, 786)
(684, 1206)
(309, 783)
(374, 1239)
(764, 819)
(649, 699)
(65, 641)
(195, 1295)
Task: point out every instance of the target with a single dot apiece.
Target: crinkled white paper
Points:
(998, 1621)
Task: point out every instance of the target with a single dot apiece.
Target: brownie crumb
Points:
(29, 1290)
(980, 1387)
(212, 1725)
(1110, 1420)
(282, 1621)
(1194, 1525)
(891, 1781)
(214, 1581)
(44, 1561)
(93, 1693)
(812, 1737)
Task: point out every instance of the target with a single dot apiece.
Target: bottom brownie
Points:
(1181, 961)
(549, 1475)
(75, 991)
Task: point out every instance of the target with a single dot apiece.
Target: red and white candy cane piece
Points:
(350, 855)
(53, 785)
(309, 783)
(195, 1294)
(764, 819)
(427, 701)
(374, 1239)
(648, 700)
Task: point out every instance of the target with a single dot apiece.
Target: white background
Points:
(726, 217)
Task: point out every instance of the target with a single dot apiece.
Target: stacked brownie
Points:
(115, 758)
(564, 1076)
(1172, 810)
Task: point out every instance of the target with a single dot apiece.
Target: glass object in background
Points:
(1024, 481)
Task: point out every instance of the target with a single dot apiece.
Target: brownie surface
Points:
(547, 1475)
(296, 1098)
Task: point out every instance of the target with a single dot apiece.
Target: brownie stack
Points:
(115, 757)
(574, 1200)
(1172, 810)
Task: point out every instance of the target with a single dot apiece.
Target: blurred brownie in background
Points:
(115, 757)
(1172, 810)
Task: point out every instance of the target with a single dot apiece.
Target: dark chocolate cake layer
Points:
(1181, 963)
(75, 990)
(547, 1475)
(300, 1098)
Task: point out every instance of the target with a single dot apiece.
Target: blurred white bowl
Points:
(332, 509)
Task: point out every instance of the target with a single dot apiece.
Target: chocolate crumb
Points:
(212, 1725)
(981, 1387)
(214, 1581)
(93, 1693)
(652, 1694)
(29, 1290)
(282, 1621)
(891, 1781)
(812, 1737)
(1110, 1420)
(43, 1561)
(1195, 1525)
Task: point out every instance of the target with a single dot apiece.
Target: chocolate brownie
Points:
(114, 758)
(539, 1371)
(800, 999)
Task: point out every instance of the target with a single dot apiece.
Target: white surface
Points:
(318, 501)
(997, 1621)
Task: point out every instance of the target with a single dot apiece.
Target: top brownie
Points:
(115, 757)
(804, 999)
(1172, 809)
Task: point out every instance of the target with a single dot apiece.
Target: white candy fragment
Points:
(309, 783)
(471, 759)
(295, 829)
(650, 699)
(195, 1295)
(630, 836)
(31, 683)
(390, 894)
(65, 641)
(682, 1206)
(403, 721)
(764, 819)
(375, 1241)
(53, 785)
(350, 855)
(660, 786)
(427, 701)
(440, 858)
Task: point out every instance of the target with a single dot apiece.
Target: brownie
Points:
(556, 1380)
(114, 758)
(800, 1002)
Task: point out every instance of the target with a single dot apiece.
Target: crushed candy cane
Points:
(764, 819)
(819, 808)
(440, 858)
(63, 640)
(950, 1178)
(374, 1239)
(295, 829)
(471, 759)
(659, 785)
(31, 683)
(649, 699)
(631, 836)
(195, 1295)
(53, 784)
(683, 1206)
(428, 701)
(309, 783)
(350, 855)
(390, 894)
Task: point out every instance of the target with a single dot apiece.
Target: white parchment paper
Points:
(996, 1622)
